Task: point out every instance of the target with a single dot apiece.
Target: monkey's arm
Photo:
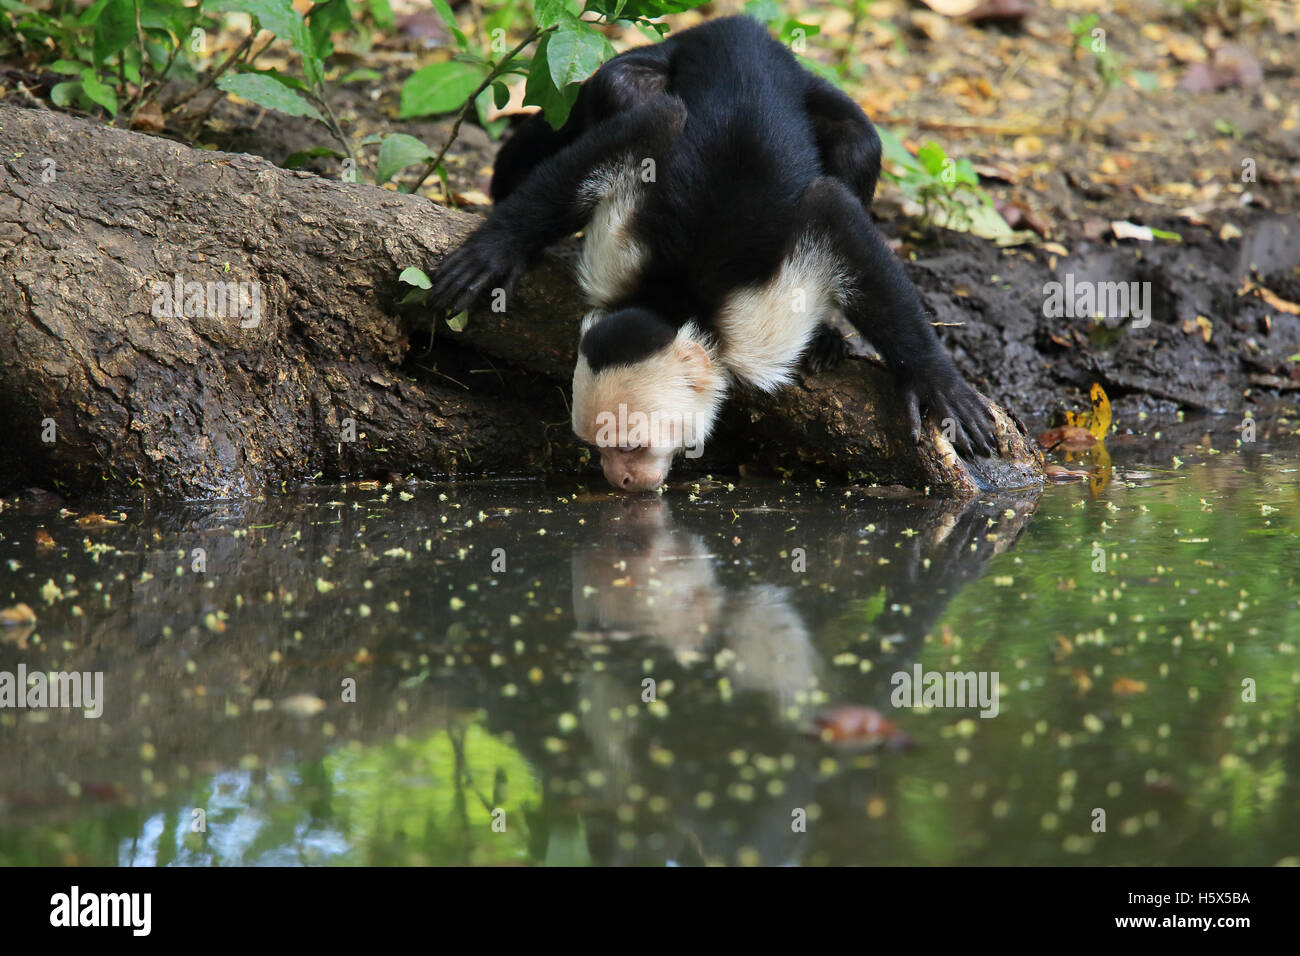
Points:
(848, 143)
(555, 201)
(886, 309)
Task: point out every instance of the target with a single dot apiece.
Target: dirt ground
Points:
(1208, 90)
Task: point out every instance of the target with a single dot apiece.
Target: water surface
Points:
(512, 673)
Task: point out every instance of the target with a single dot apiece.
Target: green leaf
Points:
(98, 91)
(574, 52)
(65, 94)
(439, 88)
(640, 9)
(327, 18)
(1147, 82)
(92, 12)
(398, 151)
(789, 28)
(769, 11)
(458, 322)
(547, 13)
(539, 90)
(67, 67)
(931, 156)
(382, 12)
(1166, 235)
(412, 275)
(267, 92)
(287, 79)
(443, 9)
(500, 95)
(363, 75)
(483, 108)
(114, 28)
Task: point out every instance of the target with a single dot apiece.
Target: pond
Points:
(513, 673)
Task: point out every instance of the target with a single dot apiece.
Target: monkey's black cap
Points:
(625, 337)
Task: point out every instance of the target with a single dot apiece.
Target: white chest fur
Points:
(611, 258)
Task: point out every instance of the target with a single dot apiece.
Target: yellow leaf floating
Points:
(1100, 424)
(1096, 421)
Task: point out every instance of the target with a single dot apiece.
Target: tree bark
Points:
(100, 389)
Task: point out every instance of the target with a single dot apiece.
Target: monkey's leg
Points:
(848, 143)
(555, 201)
(886, 309)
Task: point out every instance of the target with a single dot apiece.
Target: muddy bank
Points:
(1237, 359)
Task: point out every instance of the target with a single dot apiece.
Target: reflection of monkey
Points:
(644, 578)
(648, 579)
(773, 650)
(644, 585)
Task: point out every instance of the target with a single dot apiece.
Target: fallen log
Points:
(196, 323)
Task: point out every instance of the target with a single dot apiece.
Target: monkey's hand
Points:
(940, 392)
(488, 260)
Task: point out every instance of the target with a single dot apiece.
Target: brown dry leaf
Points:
(44, 539)
(1000, 11)
(1094, 228)
(95, 521)
(859, 726)
(1271, 297)
(149, 119)
(1127, 687)
(1026, 147)
(1201, 323)
(1063, 647)
(1082, 682)
(952, 8)
(1005, 173)
(932, 25)
(1060, 473)
(1067, 436)
(1186, 50)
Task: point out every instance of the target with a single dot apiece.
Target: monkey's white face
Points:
(640, 416)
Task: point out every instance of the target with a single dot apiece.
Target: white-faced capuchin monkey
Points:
(724, 193)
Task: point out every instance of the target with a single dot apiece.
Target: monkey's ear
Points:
(695, 359)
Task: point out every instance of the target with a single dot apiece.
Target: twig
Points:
(213, 76)
(149, 91)
(496, 71)
(332, 122)
(992, 129)
(199, 118)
